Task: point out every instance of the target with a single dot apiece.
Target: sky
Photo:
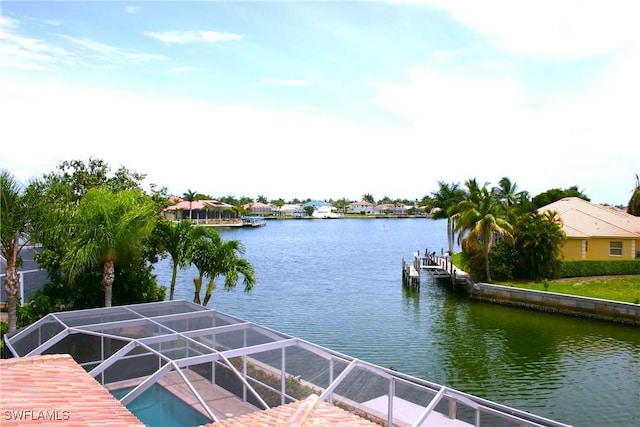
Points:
(327, 100)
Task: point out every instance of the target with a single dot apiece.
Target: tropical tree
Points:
(109, 226)
(506, 191)
(14, 235)
(190, 196)
(556, 194)
(215, 257)
(634, 202)
(176, 239)
(537, 241)
(261, 199)
(342, 204)
(445, 202)
(481, 220)
(368, 198)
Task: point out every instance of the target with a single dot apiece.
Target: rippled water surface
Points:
(338, 283)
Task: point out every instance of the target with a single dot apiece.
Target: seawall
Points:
(593, 308)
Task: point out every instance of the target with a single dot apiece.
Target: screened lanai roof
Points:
(225, 367)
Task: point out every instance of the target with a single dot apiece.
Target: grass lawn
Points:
(616, 288)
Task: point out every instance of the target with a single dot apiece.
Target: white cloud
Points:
(216, 149)
(486, 127)
(94, 53)
(548, 29)
(132, 9)
(171, 37)
(27, 53)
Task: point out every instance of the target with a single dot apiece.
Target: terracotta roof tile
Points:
(54, 389)
(311, 412)
(584, 219)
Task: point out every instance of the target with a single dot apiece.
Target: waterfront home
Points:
(362, 207)
(596, 232)
(393, 209)
(200, 211)
(295, 210)
(257, 208)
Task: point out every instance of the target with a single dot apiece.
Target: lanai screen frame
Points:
(145, 327)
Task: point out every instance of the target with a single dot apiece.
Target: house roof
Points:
(311, 412)
(257, 205)
(317, 203)
(198, 204)
(54, 388)
(582, 219)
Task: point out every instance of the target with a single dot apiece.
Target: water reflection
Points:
(529, 359)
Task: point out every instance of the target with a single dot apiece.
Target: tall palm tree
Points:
(214, 257)
(14, 225)
(507, 191)
(481, 221)
(190, 196)
(177, 240)
(446, 199)
(109, 227)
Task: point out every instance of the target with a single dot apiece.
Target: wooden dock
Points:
(438, 267)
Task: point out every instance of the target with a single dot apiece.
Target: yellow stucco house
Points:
(596, 232)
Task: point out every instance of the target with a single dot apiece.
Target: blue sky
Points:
(327, 99)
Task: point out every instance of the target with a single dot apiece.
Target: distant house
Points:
(258, 208)
(296, 210)
(200, 211)
(595, 231)
(362, 207)
(394, 209)
(316, 203)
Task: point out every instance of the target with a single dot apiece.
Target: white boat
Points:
(325, 212)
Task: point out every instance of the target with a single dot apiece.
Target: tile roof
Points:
(584, 219)
(197, 205)
(311, 412)
(54, 389)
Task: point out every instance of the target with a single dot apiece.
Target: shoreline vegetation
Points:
(613, 288)
(624, 288)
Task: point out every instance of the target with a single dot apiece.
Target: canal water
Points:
(338, 284)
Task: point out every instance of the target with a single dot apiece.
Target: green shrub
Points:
(583, 268)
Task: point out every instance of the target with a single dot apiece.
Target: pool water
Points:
(158, 407)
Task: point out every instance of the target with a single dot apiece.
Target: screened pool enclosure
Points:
(223, 366)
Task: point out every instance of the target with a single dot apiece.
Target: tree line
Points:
(100, 233)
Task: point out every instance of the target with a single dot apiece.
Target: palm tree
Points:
(109, 227)
(214, 257)
(481, 220)
(446, 200)
(177, 240)
(14, 225)
(190, 196)
(368, 198)
(507, 191)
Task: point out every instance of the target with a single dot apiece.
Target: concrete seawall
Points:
(593, 308)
